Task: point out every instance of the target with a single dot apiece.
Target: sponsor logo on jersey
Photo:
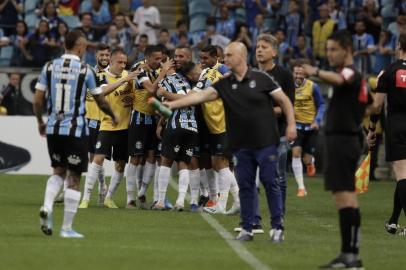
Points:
(401, 78)
(253, 84)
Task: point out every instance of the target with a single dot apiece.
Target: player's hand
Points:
(165, 67)
(145, 67)
(131, 76)
(168, 104)
(160, 92)
(158, 132)
(314, 126)
(371, 139)
(309, 70)
(291, 133)
(41, 129)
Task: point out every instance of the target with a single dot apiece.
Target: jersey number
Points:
(62, 101)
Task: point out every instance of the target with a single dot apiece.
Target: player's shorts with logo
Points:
(113, 144)
(69, 152)
(307, 139)
(218, 143)
(94, 126)
(395, 137)
(179, 144)
(342, 156)
(141, 134)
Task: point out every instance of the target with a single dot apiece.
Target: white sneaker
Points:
(213, 210)
(71, 234)
(45, 220)
(277, 235)
(234, 210)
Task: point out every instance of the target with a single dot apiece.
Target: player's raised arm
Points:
(190, 100)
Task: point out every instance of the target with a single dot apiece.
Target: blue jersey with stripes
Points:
(182, 118)
(66, 80)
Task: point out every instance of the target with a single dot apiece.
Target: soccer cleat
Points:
(143, 202)
(168, 205)
(311, 169)
(60, 197)
(178, 207)
(71, 234)
(109, 203)
(84, 204)
(213, 210)
(301, 192)
(210, 203)
(234, 210)
(343, 262)
(195, 208)
(256, 229)
(45, 221)
(391, 228)
(131, 205)
(245, 236)
(158, 206)
(203, 200)
(277, 235)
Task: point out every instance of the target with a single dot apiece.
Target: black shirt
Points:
(392, 81)
(9, 94)
(285, 80)
(347, 106)
(248, 106)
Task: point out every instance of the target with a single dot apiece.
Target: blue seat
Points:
(71, 21)
(5, 55)
(199, 10)
(30, 17)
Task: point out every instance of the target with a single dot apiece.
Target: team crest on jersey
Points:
(74, 160)
(138, 145)
(199, 85)
(176, 149)
(56, 157)
(189, 152)
(253, 84)
(159, 147)
(98, 144)
(235, 160)
(234, 86)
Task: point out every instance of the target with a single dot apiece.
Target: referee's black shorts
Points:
(395, 137)
(342, 156)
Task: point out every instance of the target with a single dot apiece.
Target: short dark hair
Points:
(181, 22)
(300, 62)
(102, 47)
(144, 36)
(211, 50)
(118, 51)
(343, 37)
(72, 37)
(164, 49)
(183, 47)
(150, 49)
(84, 14)
(164, 30)
(402, 42)
(187, 68)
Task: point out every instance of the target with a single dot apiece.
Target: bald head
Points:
(235, 55)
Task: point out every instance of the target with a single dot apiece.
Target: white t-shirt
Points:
(143, 15)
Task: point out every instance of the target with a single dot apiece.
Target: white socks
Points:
(101, 180)
(212, 184)
(204, 183)
(92, 175)
(297, 168)
(234, 188)
(54, 185)
(138, 175)
(146, 177)
(224, 187)
(156, 192)
(194, 186)
(131, 181)
(114, 183)
(71, 202)
(184, 179)
(163, 180)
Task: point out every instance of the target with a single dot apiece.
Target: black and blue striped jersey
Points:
(66, 79)
(182, 118)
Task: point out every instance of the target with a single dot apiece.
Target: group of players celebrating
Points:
(108, 115)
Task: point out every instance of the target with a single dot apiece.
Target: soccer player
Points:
(252, 134)
(266, 51)
(392, 87)
(309, 111)
(209, 59)
(66, 80)
(343, 142)
(142, 140)
(112, 139)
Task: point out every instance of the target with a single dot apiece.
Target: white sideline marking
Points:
(237, 246)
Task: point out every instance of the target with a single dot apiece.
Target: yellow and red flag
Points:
(362, 175)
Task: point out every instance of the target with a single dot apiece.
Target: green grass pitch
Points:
(139, 239)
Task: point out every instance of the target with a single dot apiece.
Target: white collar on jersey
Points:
(107, 70)
(70, 56)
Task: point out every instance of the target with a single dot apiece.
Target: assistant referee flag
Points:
(362, 175)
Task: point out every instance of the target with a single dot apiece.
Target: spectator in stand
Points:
(68, 7)
(4, 41)
(93, 36)
(138, 50)
(9, 13)
(148, 20)
(396, 27)
(232, 6)
(126, 31)
(259, 27)
(39, 44)
(364, 46)
(112, 39)
(50, 15)
(225, 25)
(322, 29)
(384, 53)
(372, 19)
(61, 30)
(252, 8)
(284, 52)
(164, 39)
(113, 7)
(181, 28)
(211, 37)
(100, 13)
(293, 23)
(336, 14)
(243, 35)
(302, 51)
(9, 94)
(18, 40)
(183, 40)
(134, 4)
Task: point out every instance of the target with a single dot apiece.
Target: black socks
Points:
(350, 222)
